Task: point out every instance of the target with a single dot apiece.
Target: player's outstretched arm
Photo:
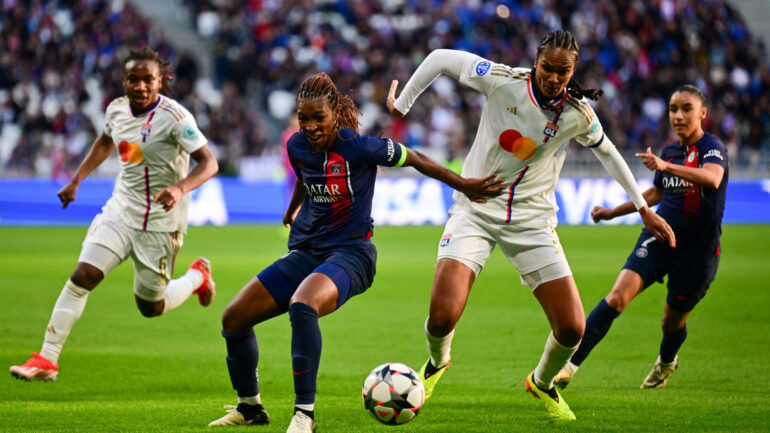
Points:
(617, 167)
(438, 62)
(708, 176)
(475, 188)
(652, 196)
(100, 150)
(207, 167)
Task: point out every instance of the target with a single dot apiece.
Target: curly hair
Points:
(564, 39)
(148, 53)
(321, 85)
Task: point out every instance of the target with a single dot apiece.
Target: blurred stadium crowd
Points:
(60, 67)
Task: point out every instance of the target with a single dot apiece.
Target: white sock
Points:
(438, 347)
(180, 289)
(66, 312)
(254, 400)
(307, 407)
(555, 356)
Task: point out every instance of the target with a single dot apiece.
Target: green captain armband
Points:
(403, 156)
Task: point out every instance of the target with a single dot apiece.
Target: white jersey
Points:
(154, 150)
(519, 138)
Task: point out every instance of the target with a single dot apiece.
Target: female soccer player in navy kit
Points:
(690, 185)
(331, 257)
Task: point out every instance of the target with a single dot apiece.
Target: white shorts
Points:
(109, 242)
(535, 253)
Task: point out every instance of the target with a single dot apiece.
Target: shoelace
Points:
(230, 408)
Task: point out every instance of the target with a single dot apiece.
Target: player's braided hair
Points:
(564, 39)
(694, 90)
(148, 53)
(321, 85)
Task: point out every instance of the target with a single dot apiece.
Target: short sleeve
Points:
(591, 133)
(107, 126)
(714, 152)
(383, 151)
(290, 145)
(187, 134)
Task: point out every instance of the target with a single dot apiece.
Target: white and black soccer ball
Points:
(393, 393)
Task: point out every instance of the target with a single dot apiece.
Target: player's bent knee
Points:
(569, 335)
(670, 326)
(440, 325)
(232, 322)
(617, 301)
(86, 276)
(149, 308)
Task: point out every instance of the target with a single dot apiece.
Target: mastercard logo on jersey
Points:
(521, 147)
(130, 152)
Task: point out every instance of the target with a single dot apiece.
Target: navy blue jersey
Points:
(694, 212)
(339, 186)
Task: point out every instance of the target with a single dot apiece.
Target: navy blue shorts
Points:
(689, 272)
(351, 268)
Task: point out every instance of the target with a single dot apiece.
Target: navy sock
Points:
(242, 359)
(671, 344)
(305, 351)
(597, 325)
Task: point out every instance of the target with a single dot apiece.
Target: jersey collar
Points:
(131, 112)
(554, 104)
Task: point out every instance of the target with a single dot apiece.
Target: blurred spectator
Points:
(59, 65)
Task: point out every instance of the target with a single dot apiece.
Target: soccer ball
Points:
(393, 393)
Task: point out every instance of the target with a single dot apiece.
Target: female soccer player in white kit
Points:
(527, 122)
(146, 217)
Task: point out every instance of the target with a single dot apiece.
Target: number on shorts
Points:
(162, 265)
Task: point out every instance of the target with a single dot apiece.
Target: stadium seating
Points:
(59, 66)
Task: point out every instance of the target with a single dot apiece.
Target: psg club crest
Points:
(641, 252)
(445, 240)
(336, 168)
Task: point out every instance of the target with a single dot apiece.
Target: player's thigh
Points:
(106, 245)
(689, 279)
(282, 278)
(628, 284)
(154, 255)
(467, 239)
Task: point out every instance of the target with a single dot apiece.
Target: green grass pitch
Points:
(123, 372)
